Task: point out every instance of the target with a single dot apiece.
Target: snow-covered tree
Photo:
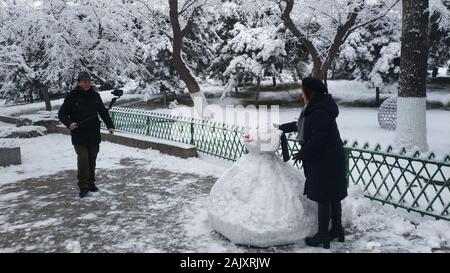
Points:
(250, 45)
(296, 59)
(323, 26)
(199, 42)
(167, 45)
(175, 19)
(57, 39)
(254, 51)
(439, 33)
(371, 54)
(151, 31)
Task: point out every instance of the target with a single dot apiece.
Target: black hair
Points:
(315, 85)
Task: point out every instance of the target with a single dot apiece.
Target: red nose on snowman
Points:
(248, 137)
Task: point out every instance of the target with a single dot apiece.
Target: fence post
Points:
(377, 96)
(112, 118)
(147, 132)
(192, 132)
(347, 153)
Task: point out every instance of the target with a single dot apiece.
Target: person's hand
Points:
(73, 126)
(296, 158)
(276, 126)
(111, 131)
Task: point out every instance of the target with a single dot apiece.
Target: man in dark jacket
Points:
(79, 113)
(323, 157)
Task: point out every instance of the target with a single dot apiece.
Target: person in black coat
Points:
(323, 157)
(79, 113)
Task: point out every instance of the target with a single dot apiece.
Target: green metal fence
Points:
(413, 182)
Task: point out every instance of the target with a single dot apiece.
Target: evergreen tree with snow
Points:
(250, 46)
(371, 54)
(46, 43)
(439, 33)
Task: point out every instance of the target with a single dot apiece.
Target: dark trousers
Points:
(87, 156)
(329, 210)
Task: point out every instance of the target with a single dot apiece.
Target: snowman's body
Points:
(259, 201)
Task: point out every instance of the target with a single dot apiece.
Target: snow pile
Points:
(350, 204)
(22, 132)
(46, 119)
(41, 116)
(391, 227)
(259, 200)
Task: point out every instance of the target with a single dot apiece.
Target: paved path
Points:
(136, 210)
(140, 210)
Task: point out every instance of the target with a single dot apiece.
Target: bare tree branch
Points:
(187, 5)
(340, 37)
(375, 18)
(285, 16)
(177, 46)
(327, 15)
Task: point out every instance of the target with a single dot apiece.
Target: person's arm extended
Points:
(104, 114)
(320, 124)
(289, 127)
(64, 112)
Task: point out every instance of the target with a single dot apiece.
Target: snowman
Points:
(259, 201)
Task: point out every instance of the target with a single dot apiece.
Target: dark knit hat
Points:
(84, 76)
(315, 85)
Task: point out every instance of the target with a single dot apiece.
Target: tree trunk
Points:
(435, 72)
(46, 97)
(411, 106)
(258, 90)
(197, 96)
(377, 96)
(30, 93)
(165, 98)
(294, 75)
(320, 67)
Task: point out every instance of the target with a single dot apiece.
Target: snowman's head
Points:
(262, 140)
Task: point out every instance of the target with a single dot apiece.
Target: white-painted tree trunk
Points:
(412, 87)
(412, 124)
(200, 104)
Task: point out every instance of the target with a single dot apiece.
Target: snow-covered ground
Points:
(151, 202)
(344, 91)
(4, 124)
(354, 91)
(443, 72)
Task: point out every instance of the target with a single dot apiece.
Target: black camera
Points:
(117, 93)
